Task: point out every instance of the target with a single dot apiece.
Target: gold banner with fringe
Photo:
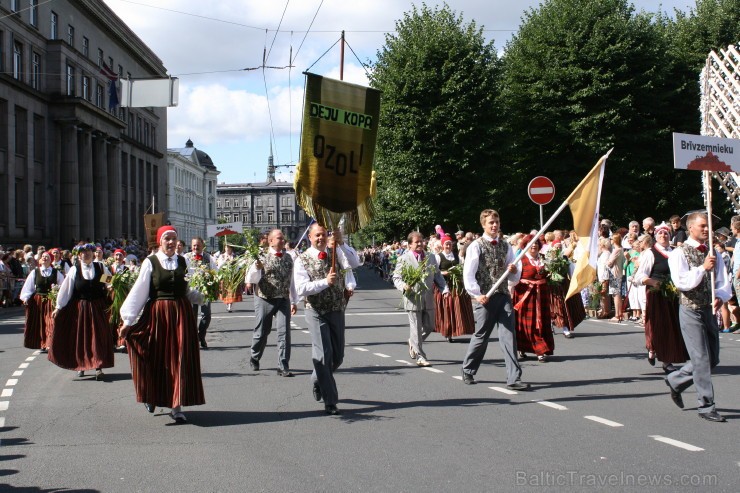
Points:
(335, 174)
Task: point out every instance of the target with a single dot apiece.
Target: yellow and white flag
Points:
(584, 205)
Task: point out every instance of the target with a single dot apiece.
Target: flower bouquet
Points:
(556, 266)
(455, 273)
(52, 295)
(204, 280)
(121, 284)
(231, 278)
(414, 278)
(666, 289)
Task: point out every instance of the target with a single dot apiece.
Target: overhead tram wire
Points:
(276, 32)
(364, 67)
(16, 12)
(307, 31)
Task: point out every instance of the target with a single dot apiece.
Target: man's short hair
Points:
(674, 218)
(486, 214)
(415, 234)
(197, 238)
(634, 223)
(649, 220)
(693, 217)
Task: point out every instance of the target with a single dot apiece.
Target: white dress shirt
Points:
(470, 267)
(687, 278)
(254, 275)
(303, 283)
(66, 290)
(139, 294)
(29, 287)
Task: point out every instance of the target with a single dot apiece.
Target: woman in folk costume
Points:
(236, 296)
(663, 338)
(532, 305)
(58, 262)
(454, 314)
(163, 344)
(39, 324)
(566, 313)
(82, 338)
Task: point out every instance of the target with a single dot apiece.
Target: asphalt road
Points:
(598, 416)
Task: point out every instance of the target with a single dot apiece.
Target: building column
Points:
(86, 197)
(69, 181)
(100, 184)
(113, 155)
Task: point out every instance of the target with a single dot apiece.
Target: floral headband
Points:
(79, 248)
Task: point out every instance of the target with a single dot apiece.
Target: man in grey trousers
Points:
(274, 296)
(486, 260)
(691, 265)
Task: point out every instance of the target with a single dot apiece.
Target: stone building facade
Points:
(73, 168)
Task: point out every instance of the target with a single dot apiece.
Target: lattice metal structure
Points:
(720, 105)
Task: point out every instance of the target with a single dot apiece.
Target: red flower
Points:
(322, 255)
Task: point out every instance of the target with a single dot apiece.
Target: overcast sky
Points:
(231, 113)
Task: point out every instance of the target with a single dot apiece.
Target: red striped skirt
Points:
(662, 329)
(164, 354)
(566, 313)
(454, 314)
(533, 329)
(39, 323)
(82, 339)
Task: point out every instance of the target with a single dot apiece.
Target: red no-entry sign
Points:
(541, 190)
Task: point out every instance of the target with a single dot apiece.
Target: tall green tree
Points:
(580, 77)
(437, 123)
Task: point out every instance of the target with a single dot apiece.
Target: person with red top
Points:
(163, 344)
(274, 296)
(532, 306)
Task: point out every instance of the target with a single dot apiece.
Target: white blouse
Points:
(68, 286)
(29, 287)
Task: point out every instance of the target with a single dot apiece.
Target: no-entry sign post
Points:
(541, 191)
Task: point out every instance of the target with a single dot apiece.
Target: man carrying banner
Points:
(691, 266)
(319, 280)
(486, 259)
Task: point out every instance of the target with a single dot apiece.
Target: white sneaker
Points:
(421, 361)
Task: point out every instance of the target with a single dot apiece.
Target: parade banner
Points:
(335, 174)
(699, 152)
(152, 223)
(224, 229)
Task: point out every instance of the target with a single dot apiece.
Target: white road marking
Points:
(11, 382)
(7, 393)
(355, 314)
(604, 421)
(2, 422)
(361, 349)
(234, 316)
(676, 443)
(433, 370)
(4, 405)
(381, 355)
(37, 352)
(503, 390)
(31, 358)
(403, 361)
(553, 405)
(23, 365)
(458, 377)
(17, 373)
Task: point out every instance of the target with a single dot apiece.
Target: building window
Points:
(138, 129)
(270, 217)
(259, 217)
(2, 52)
(258, 202)
(218, 204)
(34, 4)
(120, 72)
(70, 80)
(35, 70)
(54, 34)
(14, 5)
(285, 217)
(99, 95)
(71, 35)
(85, 46)
(146, 134)
(100, 58)
(246, 203)
(227, 203)
(227, 217)
(17, 60)
(21, 131)
(86, 87)
(110, 63)
(153, 142)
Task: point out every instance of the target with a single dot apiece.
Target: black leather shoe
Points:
(203, 343)
(668, 369)
(149, 407)
(331, 409)
(316, 392)
(254, 364)
(651, 359)
(675, 396)
(284, 373)
(468, 379)
(99, 375)
(518, 386)
(713, 416)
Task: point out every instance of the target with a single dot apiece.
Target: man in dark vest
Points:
(197, 254)
(319, 281)
(486, 260)
(691, 265)
(271, 276)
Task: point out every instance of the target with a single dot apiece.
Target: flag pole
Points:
(542, 230)
(708, 196)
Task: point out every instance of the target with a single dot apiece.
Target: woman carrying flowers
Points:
(35, 295)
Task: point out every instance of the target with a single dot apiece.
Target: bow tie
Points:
(322, 255)
(702, 248)
(197, 257)
(494, 242)
(278, 254)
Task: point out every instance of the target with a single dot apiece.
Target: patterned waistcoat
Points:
(332, 298)
(276, 275)
(701, 296)
(491, 266)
